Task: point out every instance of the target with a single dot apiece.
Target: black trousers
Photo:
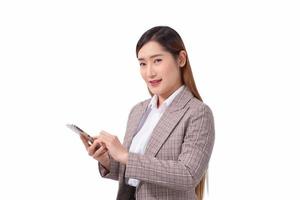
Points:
(126, 192)
(132, 192)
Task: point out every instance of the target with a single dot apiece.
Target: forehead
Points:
(149, 49)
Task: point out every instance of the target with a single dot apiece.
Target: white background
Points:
(74, 62)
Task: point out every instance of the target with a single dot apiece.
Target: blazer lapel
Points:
(168, 121)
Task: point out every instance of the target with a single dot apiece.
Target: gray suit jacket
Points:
(176, 156)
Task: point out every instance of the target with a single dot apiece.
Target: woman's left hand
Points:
(114, 146)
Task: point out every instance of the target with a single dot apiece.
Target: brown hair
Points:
(172, 42)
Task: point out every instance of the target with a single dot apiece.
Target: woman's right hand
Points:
(98, 151)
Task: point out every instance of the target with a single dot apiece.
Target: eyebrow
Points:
(153, 56)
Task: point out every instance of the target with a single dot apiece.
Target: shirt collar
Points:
(167, 102)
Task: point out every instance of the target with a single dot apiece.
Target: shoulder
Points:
(197, 107)
(140, 106)
(200, 118)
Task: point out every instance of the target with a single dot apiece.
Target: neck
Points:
(163, 97)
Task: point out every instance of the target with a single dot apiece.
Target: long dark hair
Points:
(172, 42)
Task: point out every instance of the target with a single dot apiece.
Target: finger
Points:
(108, 138)
(95, 137)
(84, 141)
(104, 133)
(87, 137)
(103, 144)
(102, 139)
(111, 139)
(100, 151)
(96, 145)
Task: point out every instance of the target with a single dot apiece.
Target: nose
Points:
(150, 71)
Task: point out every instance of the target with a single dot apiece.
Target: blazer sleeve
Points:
(113, 173)
(186, 172)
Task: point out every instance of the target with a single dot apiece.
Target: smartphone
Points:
(79, 131)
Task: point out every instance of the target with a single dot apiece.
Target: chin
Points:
(154, 90)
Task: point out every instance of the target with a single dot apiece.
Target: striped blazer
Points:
(177, 155)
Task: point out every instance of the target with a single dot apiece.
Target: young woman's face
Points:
(159, 69)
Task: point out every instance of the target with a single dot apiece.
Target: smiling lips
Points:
(155, 82)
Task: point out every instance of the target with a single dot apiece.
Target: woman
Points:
(169, 137)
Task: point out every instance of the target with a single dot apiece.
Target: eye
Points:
(142, 64)
(158, 60)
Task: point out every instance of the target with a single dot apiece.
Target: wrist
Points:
(125, 158)
(105, 162)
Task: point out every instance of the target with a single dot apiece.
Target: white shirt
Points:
(141, 139)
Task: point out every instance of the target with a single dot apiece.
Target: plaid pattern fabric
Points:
(176, 156)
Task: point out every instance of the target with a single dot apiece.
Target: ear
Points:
(182, 58)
